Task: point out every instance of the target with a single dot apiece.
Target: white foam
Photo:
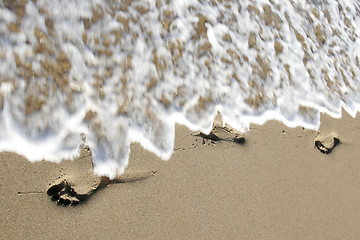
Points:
(142, 75)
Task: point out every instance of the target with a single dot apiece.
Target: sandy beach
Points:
(276, 185)
(104, 73)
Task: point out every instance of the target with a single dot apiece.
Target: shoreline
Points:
(277, 185)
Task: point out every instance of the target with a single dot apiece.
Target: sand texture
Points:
(273, 182)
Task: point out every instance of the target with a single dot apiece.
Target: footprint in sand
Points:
(326, 144)
(69, 190)
(221, 133)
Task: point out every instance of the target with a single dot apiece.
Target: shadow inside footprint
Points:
(221, 134)
(64, 194)
(326, 144)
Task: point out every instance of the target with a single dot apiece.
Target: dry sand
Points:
(276, 185)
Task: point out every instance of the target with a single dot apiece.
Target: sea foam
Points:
(108, 73)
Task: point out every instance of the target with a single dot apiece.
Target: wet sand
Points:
(276, 185)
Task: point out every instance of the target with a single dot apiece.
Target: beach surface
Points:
(275, 185)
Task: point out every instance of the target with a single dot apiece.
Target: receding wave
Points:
(107, 73)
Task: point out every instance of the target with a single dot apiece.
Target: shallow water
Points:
(107, 73)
